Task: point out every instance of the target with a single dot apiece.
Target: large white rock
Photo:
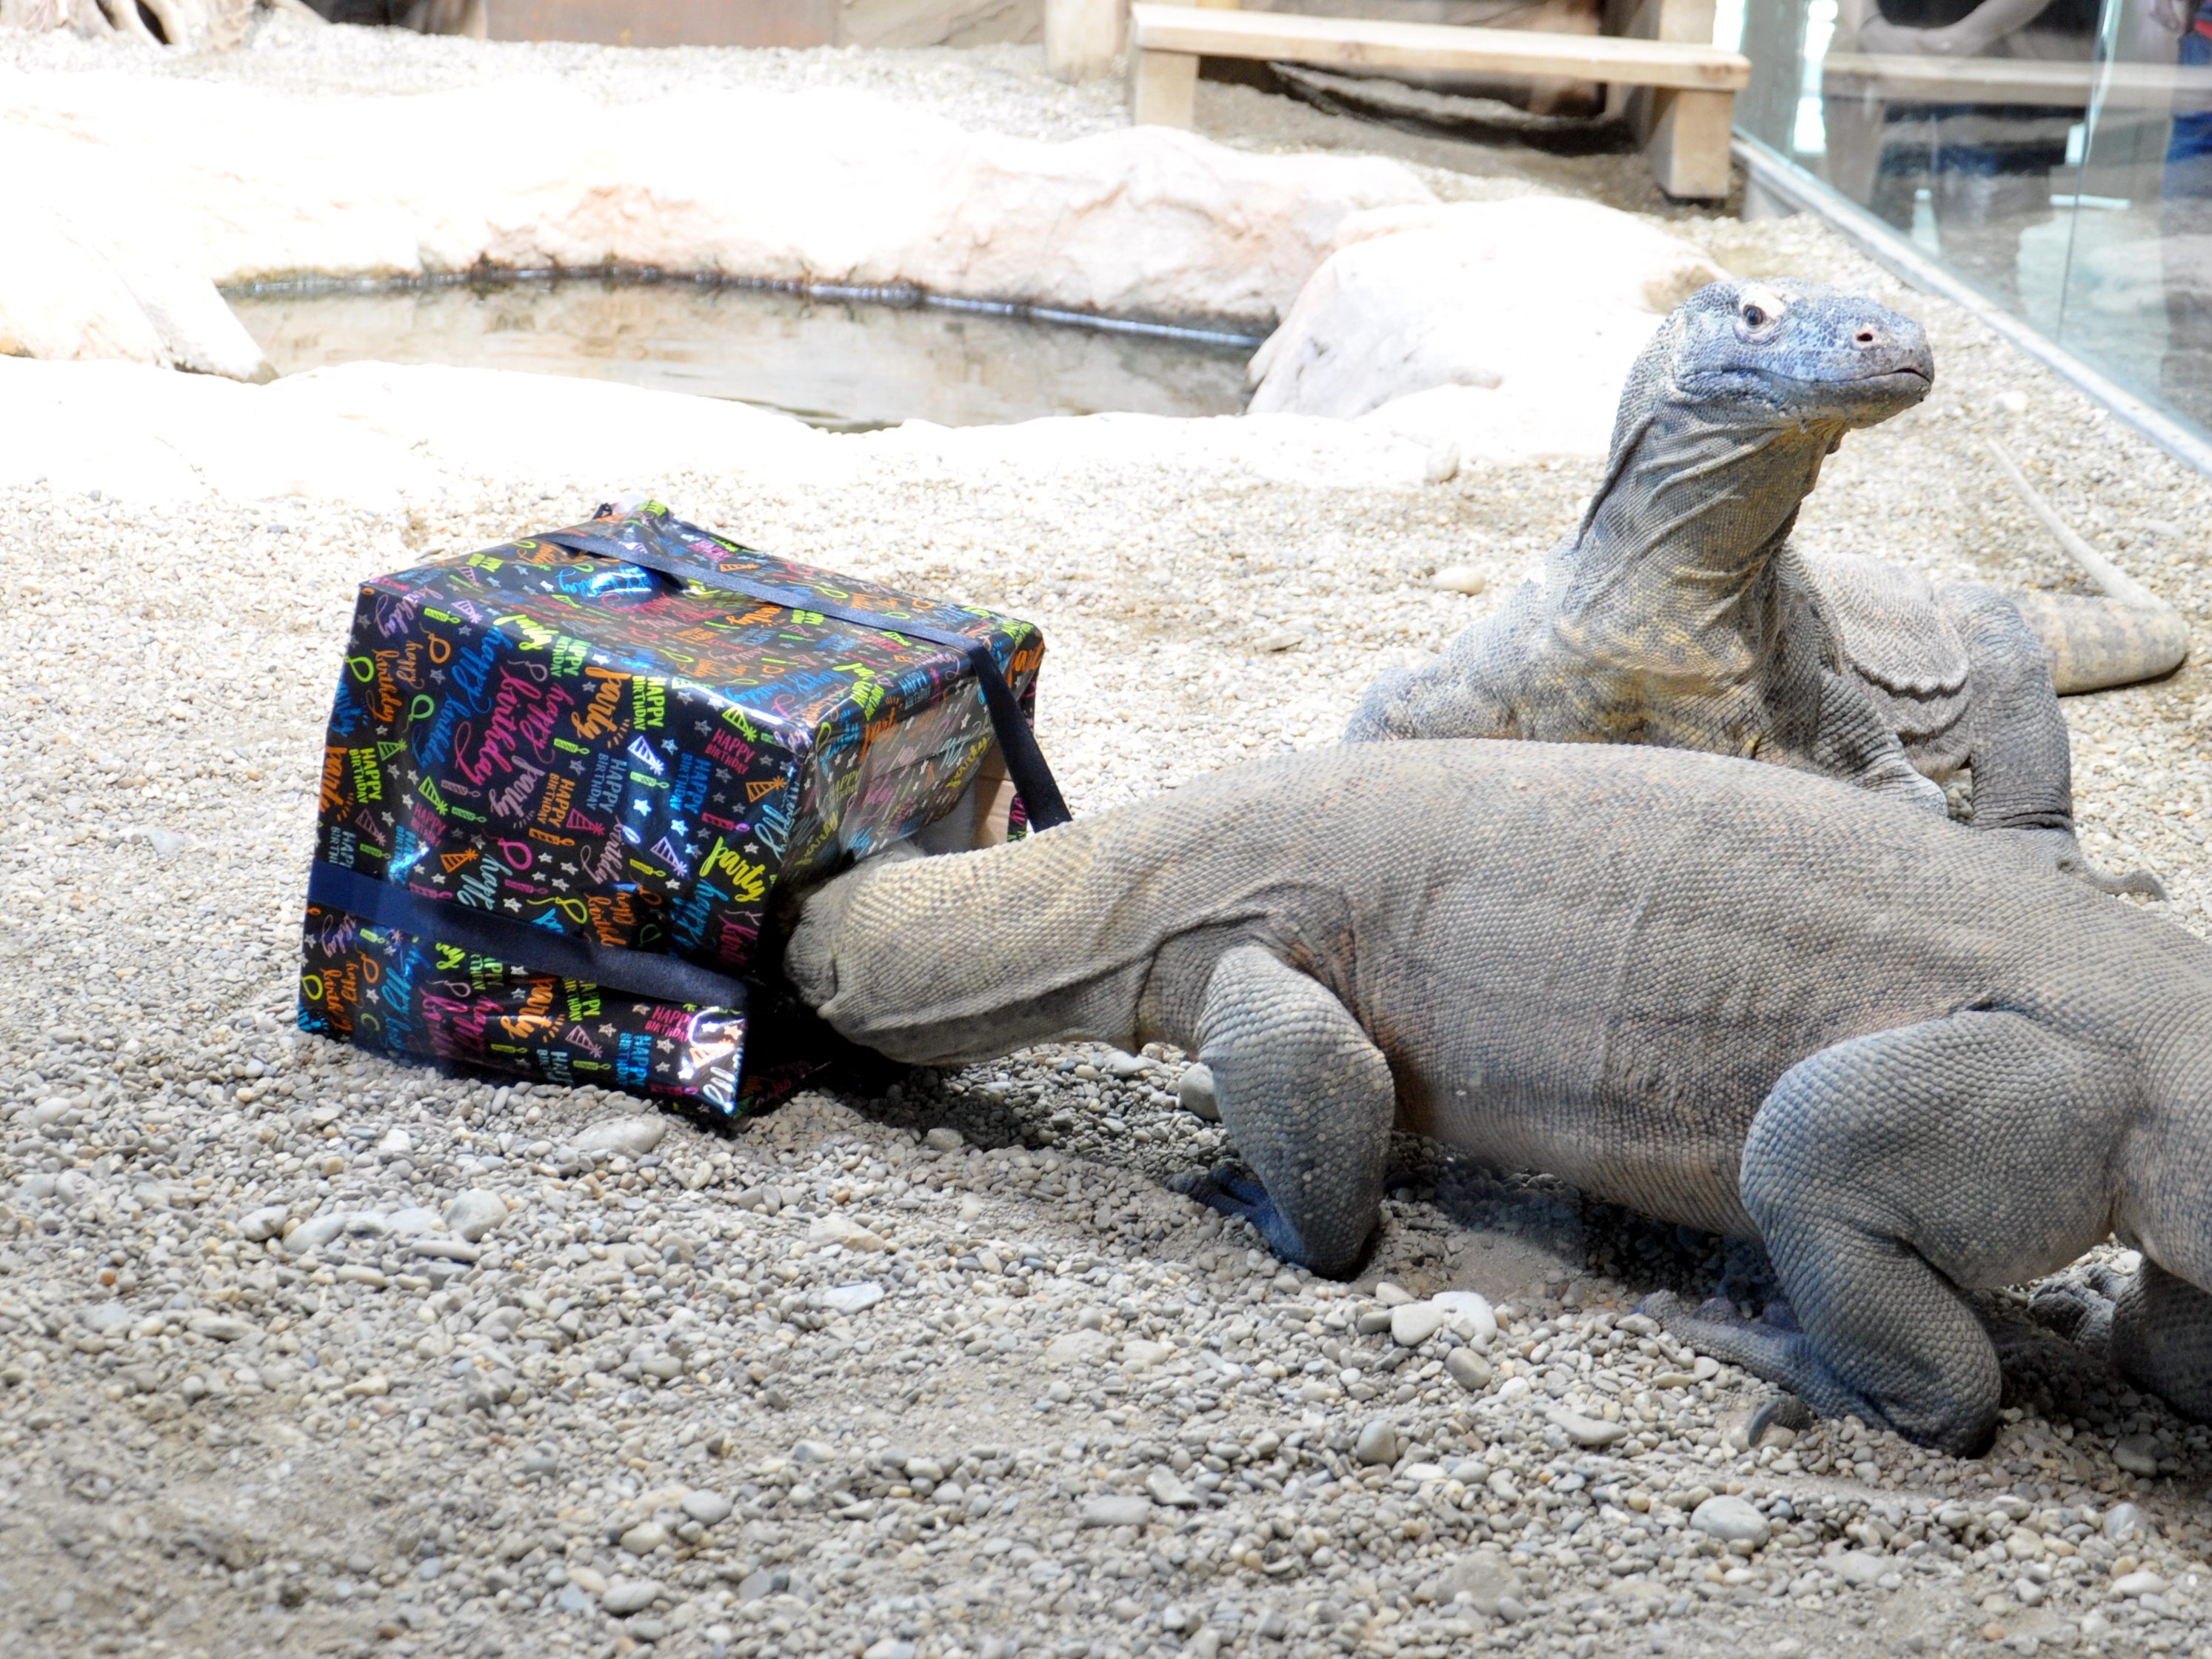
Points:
(69, 288)
(238, 183)
(1504, 328)
(377, 436)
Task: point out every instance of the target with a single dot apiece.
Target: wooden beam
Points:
(1684, 135)
(2010, 81)
(1688, 144)
(1361, 43)
(1163, 89)
(1082, 38)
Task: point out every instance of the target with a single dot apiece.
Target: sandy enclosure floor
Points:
(1083, 1417)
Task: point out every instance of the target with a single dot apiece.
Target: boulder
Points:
(1142, 220)
(70, 290)
(1505, 328)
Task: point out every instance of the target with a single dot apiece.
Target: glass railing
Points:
(2056, 157)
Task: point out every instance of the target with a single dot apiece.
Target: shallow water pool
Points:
(847, 364)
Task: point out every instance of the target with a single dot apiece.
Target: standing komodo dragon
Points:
(1677, 613)
(1914, 1062)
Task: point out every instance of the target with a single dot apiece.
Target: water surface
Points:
(850, 365)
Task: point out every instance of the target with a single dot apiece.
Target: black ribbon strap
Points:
(1026, 762)
(533, 949)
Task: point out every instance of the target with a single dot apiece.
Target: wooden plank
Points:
(1688, 144)
(1163, 89)
(2010, 81)
(670, 23)
(1683, 135)
(1360, 43)
(1081, 37)
(1687, 20)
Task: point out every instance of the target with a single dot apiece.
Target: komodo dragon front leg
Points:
(1309, 1101)
(1850, 740)
(2016, 741)
(1885, 1171)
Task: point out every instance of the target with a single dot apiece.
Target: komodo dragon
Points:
(1676, 613)
(1914, 1062)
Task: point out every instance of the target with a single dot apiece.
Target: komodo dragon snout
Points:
(1807, 353)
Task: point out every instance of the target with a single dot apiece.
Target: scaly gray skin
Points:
(1677, 613)
(1913, 1061)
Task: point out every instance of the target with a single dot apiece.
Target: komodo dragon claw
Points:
(2080, 1306)
(1781, 1411)
(2136, 881)
(1773, 1350)
(1228, 1190)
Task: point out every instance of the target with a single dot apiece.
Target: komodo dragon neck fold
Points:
(1673, 565)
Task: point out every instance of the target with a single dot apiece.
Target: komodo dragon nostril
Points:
(1864, 336)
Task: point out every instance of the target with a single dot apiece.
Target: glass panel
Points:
(1957, 122)
(2054, 155)
(2138, 292)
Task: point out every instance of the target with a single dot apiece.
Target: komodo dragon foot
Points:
(2155, 1328)
(2065, 855)
(1779, 1411)
(2079, 1307)
(1238, 1193)
(1774, 1351)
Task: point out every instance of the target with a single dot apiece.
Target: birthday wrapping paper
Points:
(589, 761)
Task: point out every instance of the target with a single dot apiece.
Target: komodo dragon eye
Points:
(1753, 316)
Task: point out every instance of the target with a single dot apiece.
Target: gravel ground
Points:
(305, 1353)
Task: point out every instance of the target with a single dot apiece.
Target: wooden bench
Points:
(1683, 118)
(2013, 81)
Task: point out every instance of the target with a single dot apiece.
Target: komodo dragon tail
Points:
(2129, 635)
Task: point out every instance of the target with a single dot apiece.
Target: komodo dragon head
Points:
(1724, 424)
(1781, 353)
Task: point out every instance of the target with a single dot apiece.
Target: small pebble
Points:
(2143, 1583)
(624, 1597)
(630, 1135)
(2138, 1454)
(1165, 1489)
(1858, 1568)
(1468, 1369)
(262, 1223)
(1469, 1311)
(1378, 1444)
(1587, 1432)
(853, 1298)
(2124, 1520)
(1413, 1324)
(474, 1213)
(1117, 1509)
(1194, 1092)
(1731, 1520)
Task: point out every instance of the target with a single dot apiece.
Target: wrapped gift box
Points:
(566, 780)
